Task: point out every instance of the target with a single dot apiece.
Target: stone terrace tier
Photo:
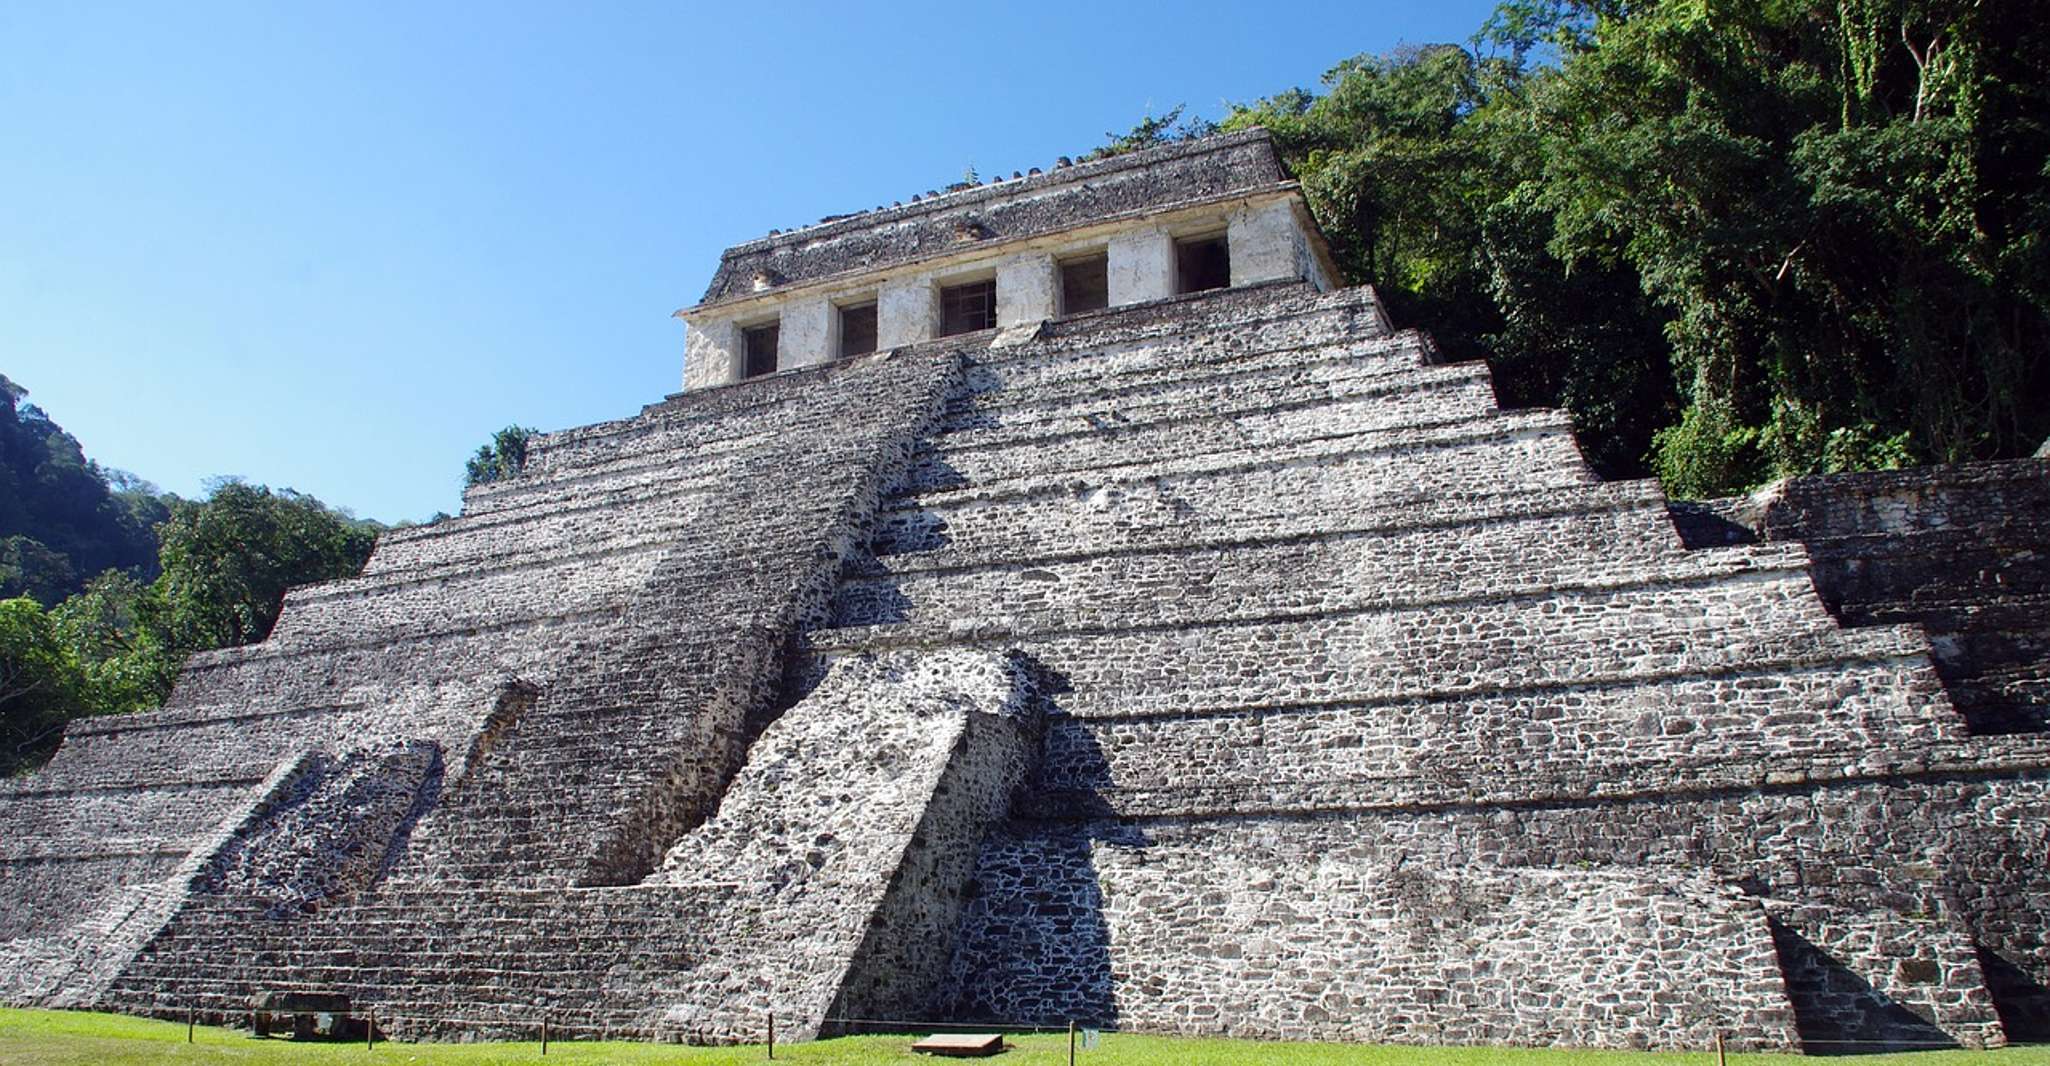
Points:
(1374, 716)
(1962, 550)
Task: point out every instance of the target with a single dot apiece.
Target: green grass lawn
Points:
(50, 1038)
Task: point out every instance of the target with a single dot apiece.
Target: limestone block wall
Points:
(1167, 929)
(1963, 551)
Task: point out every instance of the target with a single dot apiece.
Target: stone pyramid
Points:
(1122, 642)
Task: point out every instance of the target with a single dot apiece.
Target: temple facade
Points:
(1006, 256)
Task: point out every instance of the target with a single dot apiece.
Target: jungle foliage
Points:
(1737, 241)
(504, 457)
(106, 584)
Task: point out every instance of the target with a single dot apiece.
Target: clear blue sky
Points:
(334, 246)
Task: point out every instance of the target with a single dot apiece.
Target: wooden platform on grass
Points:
(961, 1045)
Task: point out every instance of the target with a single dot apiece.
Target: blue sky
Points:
(334, 246)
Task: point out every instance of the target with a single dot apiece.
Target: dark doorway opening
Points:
(1085, 284)
(761, 350)
(1202, 263)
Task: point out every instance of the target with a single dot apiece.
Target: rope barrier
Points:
(909, 1024)
(550, 1029)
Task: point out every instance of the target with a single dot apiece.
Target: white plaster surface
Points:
(809, 333)
(906, 312)
(711, 354)
(1026, 288)
(1141, 266)
(1266, 244)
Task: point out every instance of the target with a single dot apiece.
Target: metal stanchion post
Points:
(190, 1022)
(544, 1034)
(1071, 1043)
(772, 1034)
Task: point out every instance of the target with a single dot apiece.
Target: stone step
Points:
(1099, 349)
(465, 598)
(1483, 748)
(1415, 448)
(79, 845)
(1006, 393)
(433, 654)
(1633, 505)
(717, 451)
(658, 518)
(1204, 585)
(1361, 569)
(1483, 644)
(173, 810)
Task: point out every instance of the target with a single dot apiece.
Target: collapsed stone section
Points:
(334, 834)
(840, 852)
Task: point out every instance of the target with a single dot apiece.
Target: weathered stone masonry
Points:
(1211, 663)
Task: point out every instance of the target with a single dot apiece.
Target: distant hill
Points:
(63, 517)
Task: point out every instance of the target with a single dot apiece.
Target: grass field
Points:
(51, 1038)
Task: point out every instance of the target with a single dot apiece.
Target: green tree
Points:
(1736, 241)
(41, 686)
(503, 458)
(228, 561)
(1421, 167)
(1839, 205)
(111, 629)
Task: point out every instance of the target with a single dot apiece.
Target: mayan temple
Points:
(1059, 599)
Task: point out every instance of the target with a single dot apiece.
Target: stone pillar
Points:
(711, 354)
(809, 334)
(1266, 244)
(906, 312)
(1141, 267)
(1026, 289)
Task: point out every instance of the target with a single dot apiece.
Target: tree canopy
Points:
(504, 457)
(1736, 241)
(114, 584)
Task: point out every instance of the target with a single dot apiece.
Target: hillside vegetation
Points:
(106, 584)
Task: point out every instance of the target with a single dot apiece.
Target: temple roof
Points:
(1003, 210)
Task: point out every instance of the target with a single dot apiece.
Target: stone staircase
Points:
(546, 878)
